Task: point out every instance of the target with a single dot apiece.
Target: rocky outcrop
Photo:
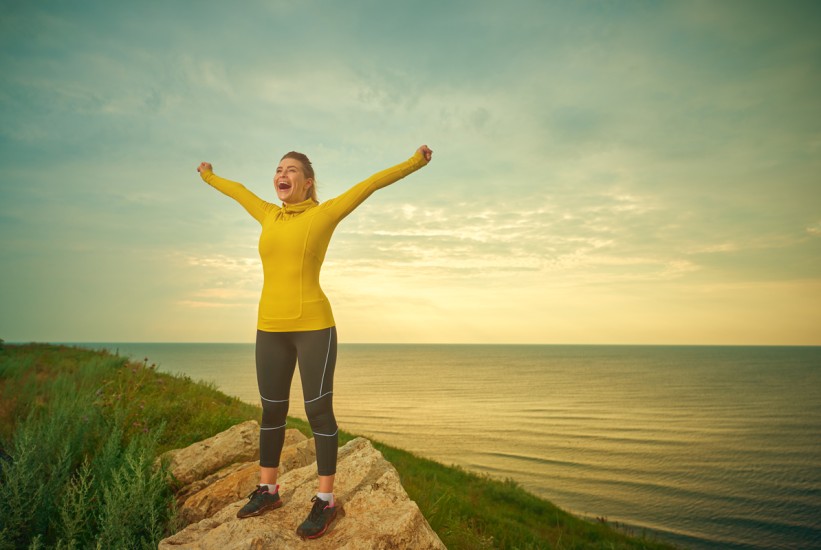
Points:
(239, 443)
(374, 509)
(238, 481)
(292, 437)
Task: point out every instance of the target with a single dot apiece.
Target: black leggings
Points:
(277, 354)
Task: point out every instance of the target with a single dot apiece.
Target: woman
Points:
(294, 319)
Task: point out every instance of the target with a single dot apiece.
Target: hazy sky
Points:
(603, 172)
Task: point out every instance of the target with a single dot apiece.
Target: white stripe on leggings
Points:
(273, 400)
(327, 355)
(277, 428)
(320, 397)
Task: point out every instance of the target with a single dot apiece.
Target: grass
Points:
(86, 425)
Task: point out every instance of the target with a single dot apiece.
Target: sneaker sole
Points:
(261, 511)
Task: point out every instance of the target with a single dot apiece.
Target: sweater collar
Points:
(297, 208)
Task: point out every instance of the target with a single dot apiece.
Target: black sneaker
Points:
(260, 501)
(318, 520)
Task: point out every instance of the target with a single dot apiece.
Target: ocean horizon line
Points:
(455, 344)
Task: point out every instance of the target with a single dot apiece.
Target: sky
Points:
(604, 172)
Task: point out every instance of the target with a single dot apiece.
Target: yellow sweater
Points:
(293, 243)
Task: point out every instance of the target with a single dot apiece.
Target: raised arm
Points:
(345, 203)
(255, 206)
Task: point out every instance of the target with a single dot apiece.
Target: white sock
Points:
(327, 497)
(272, 488)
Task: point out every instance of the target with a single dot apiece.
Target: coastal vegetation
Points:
(80, 431)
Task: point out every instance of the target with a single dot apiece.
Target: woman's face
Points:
(290, 182)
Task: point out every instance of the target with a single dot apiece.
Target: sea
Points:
(705, 447)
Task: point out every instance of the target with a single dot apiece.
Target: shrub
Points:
(76, 480)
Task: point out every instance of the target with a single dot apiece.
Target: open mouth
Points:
(283, 186)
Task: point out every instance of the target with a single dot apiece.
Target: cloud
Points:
(219, 280)
(593, 239)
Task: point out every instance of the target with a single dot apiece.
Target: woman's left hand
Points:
(426, 152)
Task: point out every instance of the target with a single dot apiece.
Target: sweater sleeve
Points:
(345, 203)
(255, 206)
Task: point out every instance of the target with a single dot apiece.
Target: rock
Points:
(297, 455)
(292, 437)
(241, 481)
(219, 494)
(193, 488)
(374, 512)
(239, 443)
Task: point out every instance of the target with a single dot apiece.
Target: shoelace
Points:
(258, 490)
(316, 511)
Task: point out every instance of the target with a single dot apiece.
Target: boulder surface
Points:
(291, 458)
(239, 443)
(374, 511)
(239, 482)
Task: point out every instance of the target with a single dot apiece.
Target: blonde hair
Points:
(307, 171)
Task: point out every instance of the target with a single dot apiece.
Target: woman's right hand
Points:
(204, 167)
